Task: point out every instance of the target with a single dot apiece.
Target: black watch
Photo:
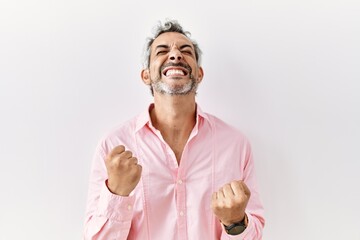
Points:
(236, 228)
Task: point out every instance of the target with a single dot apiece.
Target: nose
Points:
(175, 55)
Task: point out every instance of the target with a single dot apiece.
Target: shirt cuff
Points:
(114, 207)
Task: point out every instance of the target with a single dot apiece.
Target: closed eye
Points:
(187, 52)
(161, 52)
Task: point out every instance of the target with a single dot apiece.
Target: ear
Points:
(200, 75)
(145, 76)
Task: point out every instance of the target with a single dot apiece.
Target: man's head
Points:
(171, 61)
(168, 26)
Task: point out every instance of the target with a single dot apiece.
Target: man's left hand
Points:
(230, 201)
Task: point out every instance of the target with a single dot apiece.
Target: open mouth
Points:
(175, 70)
(171, 71)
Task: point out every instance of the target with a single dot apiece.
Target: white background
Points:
(286, 73)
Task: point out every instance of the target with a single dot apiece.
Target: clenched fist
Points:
(124, 172)
(229, 203)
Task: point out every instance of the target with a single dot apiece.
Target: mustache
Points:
(183, 65)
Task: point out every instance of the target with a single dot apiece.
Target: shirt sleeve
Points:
(108, 216)
(254, 209)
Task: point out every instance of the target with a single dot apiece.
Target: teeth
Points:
(174, 72)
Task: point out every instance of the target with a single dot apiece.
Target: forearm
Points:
(254, 209)
(111, 218)
(101, 228)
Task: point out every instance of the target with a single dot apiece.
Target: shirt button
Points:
(181, 213)
(129, 207)
(180, 181)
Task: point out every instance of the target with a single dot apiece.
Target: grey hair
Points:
(168, 26)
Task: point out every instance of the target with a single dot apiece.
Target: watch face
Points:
(236, 230)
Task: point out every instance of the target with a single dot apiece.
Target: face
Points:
(173, 67)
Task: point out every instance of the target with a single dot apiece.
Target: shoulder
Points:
(121, 134)
(226, 131)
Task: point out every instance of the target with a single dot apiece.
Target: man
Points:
(173, 172)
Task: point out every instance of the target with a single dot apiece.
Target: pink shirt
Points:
(172, 201)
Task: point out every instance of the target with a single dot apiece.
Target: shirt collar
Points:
(144, 118)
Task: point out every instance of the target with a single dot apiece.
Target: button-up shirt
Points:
(172, 201)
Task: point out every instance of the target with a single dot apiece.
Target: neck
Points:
(173, 113)
(174, 117)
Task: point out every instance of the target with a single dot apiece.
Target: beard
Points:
(174, 89)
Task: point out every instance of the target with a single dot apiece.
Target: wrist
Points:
(238, 220)
(237, 227)
(116, 191)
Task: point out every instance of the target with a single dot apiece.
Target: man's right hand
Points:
(124, 172)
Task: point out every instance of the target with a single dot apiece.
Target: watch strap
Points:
(237, 228)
